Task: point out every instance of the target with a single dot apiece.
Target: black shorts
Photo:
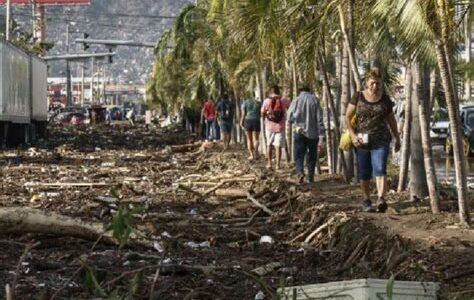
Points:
(252, 125)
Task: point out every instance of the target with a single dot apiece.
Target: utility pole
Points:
(7, 29)
(98, 84)
(103, 84)
(68, 70)
(92, 81)
(82, 84)
(33, 14)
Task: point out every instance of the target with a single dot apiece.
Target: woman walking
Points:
(371, 136)
(250, 121)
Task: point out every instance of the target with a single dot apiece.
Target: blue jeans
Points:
(212, 130)
(372, 162)
(305, 147)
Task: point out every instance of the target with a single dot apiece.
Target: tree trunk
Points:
(345, 98)
(425, 138)
(455, 128)
(418, 185)
(352, 58)
(333, 109)
(263, 141)
(291, 142)
(405, 152)
(468, 49)
(447, 78)
(328, 132)
(20, 220)
(238, 113)
(432, 91)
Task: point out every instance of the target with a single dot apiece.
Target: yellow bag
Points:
(345, 144)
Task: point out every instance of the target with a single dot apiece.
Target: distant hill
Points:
(108, 19)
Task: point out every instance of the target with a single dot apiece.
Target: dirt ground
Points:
(219, 226)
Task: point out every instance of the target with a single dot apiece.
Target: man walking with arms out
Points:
(273, 113)
(307, 118)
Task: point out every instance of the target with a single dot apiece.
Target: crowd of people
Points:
(371, 134)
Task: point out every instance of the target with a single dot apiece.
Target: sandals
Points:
(381, 206)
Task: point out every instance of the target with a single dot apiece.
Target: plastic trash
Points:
(158, 247)
(260, 296)
(266, 239)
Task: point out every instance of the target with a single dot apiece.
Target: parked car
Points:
(439, 126)
(467, 127)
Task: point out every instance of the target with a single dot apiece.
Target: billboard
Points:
(49, 2)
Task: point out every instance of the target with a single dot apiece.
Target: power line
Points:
(115, 15)
(95, 22)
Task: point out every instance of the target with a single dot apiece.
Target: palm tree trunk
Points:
(425, 138)
(294, 76)
(432, 91)
(454, 120)
(263, 140)
(405, 152)
(352, 58)
(338, 59)
(444, 64)
(333, 109)
(328, 133)
(468, 50)
(345, 98)
(418, 184)
(238, 112)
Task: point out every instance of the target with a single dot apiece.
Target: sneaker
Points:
(300, 179)
(367, 206)
(381, 205)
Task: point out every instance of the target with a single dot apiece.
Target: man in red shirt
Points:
(273, 113)
(208, 114)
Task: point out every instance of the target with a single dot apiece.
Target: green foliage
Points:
(389, 291)
(135, 285)
(122, 226)
(93, 284)
(95, 287)
(122, 221)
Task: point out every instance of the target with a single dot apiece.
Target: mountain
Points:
(137, 20)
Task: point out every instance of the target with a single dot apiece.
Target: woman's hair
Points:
(275, 89)
(373, 74)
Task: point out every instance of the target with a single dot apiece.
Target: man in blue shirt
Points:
(307, 118)
(225, 115)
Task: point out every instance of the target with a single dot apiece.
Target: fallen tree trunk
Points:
(231, 193)
(19, 220)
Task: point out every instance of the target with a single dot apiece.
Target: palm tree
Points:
(424, 104)
(426, 28)
(405, 151)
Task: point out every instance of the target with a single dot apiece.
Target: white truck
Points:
(23, 96)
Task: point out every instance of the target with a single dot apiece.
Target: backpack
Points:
(276, 111)
(226, 111)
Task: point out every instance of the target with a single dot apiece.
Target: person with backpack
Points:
(273, 114)
(250, 121)
(208, 115)
(225, 115)
(306, 116)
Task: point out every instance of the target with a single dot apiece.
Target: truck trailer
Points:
(23, 96)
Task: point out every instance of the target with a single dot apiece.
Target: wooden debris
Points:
(259, 205)
(231, 193)
(267, 269)
(342, 217)
(188, 189)
(66, 184)
(22, 220)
